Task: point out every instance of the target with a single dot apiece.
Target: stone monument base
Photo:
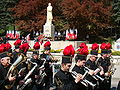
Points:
(48, 30)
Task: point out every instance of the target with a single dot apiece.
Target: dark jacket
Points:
(64, 81)
(79, 70)
(3, 74)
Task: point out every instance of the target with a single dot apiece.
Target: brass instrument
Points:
(95, 76)
(111, 68)
(85, 82)
(42, 73)
(13, 69)
(27, 80)
(53, 58)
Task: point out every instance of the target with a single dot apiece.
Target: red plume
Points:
(95, 46)
(69, 51)
(17, 42)
(84, 51)
(103, 46)
(72, 50)
(82, 45)
(7, 46)
(108, 46)
(66, 51)
(47, 44)
(36, 45)
(1, 49)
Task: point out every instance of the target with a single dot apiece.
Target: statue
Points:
(49, 14)
(49, 27)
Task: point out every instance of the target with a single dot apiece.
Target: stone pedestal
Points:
(48, 30)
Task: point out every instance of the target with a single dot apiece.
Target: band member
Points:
(35, 75)
(109, 56)
(48, 69)
(80, 62)
(91, 62)
(63, 78)
(15, 54)
(104, 62)
(4, 67)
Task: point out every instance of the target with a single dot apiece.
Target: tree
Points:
(31, 14)
(5, 15)
(88, 16)
(116, 12)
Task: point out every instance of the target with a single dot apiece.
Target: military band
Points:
(90, 72)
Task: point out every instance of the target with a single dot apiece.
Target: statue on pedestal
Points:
(49, 27)
(49, 14)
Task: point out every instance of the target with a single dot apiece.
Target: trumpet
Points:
(95, 76)
(85, 82)
(27, 80)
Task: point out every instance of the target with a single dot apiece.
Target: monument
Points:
(48, 28)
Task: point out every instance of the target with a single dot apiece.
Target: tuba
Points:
(13, 69)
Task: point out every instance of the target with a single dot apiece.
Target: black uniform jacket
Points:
(3, 74)
(105, 63)
(64, 81)
(91, 64)
(79, 70)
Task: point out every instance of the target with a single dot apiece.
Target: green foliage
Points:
(116, 53)
(116, 11)
(6, 18)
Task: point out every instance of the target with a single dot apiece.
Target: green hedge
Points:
(116, 53)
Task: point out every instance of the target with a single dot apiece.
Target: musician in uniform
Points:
(109, 57)
(48, 69)
(80, 62)
(4, 67)
(35, 75)
(15, 54)
(104, 62)
(63, 78)
(92, 65)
